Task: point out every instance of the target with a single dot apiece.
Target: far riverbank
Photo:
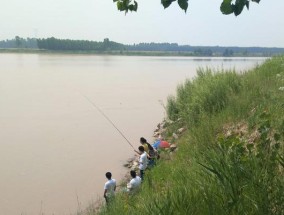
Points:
(125, 53)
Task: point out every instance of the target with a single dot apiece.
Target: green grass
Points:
(230, 160)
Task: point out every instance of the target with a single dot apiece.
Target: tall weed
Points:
(208, 93)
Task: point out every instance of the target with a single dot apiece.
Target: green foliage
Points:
(126, 5)
(172, 107)
(237, 167)
(18, 42)
(183, 4)
(83, 45)
(166, 3)
(227, 7)
(204, 50)
(228, 53)
(206, 94)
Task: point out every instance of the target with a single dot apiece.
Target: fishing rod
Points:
(108, 119)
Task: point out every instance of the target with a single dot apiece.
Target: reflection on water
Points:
(55, 146)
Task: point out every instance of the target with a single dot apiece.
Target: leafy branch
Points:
(227, 7)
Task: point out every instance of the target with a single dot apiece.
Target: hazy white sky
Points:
(203, 24)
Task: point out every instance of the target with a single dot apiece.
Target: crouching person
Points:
(134, 183)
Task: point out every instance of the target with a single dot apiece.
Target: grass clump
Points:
(230, 160)
(207, 94)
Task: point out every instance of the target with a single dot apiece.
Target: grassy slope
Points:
(229, 159)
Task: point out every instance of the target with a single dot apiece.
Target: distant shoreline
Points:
(118, 53)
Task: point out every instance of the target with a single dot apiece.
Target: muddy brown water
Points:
(55, 146)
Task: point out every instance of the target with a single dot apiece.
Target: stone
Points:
(156, 134)
(181, 130)
(173, 147)
(170, 121)
(175, 135)
(157, 129)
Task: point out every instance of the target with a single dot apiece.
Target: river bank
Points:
(132, 163)
(230, 158)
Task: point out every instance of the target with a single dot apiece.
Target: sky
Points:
(203, 24)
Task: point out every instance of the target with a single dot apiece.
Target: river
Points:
(56, 146)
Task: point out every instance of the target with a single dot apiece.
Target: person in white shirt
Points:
(109, 188)
(134, 183)
(142, 161)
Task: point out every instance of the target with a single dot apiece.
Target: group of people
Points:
(147, 158)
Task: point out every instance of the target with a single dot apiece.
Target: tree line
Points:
(106, 45)
(78, 45)
(18, 42)
(55, 44)
(206, 50)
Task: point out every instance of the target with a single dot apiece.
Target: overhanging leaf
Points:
(226, 7)
(133, 7)
(183, 4)
(120, 6)
(247, 5)
(166, 3)
(239, 6)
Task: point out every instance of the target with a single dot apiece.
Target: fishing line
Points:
(108, 119)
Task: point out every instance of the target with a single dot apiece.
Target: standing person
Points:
(144, 143)
(109, 188)
(142, 161)
(134, 183)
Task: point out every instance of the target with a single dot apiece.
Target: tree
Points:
(227, 6)
(228, 53)
(18, 41)
(106, 44)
